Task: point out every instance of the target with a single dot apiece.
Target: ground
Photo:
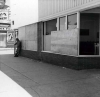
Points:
(23, 77)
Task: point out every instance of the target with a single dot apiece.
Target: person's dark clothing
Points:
(17, 48)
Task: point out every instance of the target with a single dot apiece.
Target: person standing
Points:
(17, 47)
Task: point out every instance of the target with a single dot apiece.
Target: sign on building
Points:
(3, 15)
(10, 36)
(3, 28)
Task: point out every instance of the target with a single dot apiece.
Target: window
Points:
(51, 26)
(72, 21)
(62, 23)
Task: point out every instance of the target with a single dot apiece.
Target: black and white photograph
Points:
(49, 48)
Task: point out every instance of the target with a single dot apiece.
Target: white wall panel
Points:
(53, 8)
(21, 36)
(65, 42)
(28, 37)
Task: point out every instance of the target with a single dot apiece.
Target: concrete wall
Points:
(65, 42)
(58, 59)
(47, 42)
(28, 36)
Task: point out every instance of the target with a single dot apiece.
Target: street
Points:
(23, 77)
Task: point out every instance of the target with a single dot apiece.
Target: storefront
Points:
(72, 36)
(3, 38)
(5, 23)
(66, 33)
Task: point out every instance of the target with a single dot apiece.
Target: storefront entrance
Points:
(89, 33)
(3, 39)
(49, 26)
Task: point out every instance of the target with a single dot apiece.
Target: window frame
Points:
(71, 15)
(59, 22)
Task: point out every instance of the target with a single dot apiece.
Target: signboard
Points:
(10, 36)
(4, 15)
(3, 4)
(3, 28)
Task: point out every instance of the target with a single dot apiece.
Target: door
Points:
(3, 39)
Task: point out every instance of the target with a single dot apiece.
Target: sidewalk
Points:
(23, 77)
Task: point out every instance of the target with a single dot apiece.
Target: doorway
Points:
(49, 26)
(89, 34)
(3, 40)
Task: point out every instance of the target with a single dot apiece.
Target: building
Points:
(6, 35)
(61, 32)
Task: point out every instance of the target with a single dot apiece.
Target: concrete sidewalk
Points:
(23, 77)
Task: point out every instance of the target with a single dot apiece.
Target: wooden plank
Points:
(65, 42)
